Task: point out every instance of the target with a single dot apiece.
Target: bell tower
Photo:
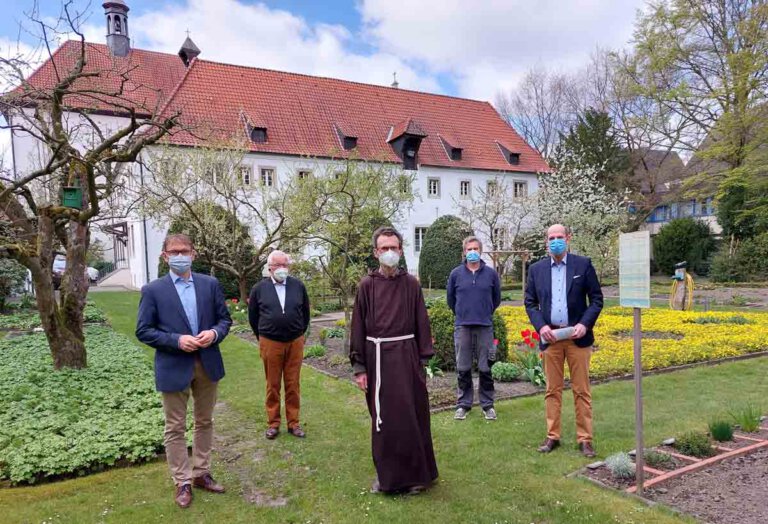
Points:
(118, 42)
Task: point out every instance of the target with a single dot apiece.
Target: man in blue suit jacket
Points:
(563, 291)
(184, 317)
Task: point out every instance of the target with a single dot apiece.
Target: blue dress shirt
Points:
(559, 312)
(186, 291)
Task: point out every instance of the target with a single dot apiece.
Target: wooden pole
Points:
(639, 458)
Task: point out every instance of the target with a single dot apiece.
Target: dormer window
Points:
(405, 139)
(452, 147)
(512, 157)
(258, 135)
(347, 137)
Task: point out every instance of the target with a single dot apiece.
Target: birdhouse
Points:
(72, 197)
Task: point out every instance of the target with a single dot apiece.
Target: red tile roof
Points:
(146, 78)
(301, 113)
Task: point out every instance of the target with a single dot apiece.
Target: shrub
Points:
(749, 260)
(657, 459)
(747, 417)
(441, 320)
(721, 430)
(342, 323)
(315, 350)
(331, 332)
(683, 239)
(12, 275)
(442, 250)
(506, 371)
(695, 444)
(75, 420)
(620, 465)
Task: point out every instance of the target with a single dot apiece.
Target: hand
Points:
(362, 381)
(579, 330)
(206, 338)
(547, 334)
(188, 343)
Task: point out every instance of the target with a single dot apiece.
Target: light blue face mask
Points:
(180, 264)
(473, 256)
(557, 246)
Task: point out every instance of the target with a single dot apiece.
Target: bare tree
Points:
(80, 156)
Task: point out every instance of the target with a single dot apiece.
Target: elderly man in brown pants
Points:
(278, 311)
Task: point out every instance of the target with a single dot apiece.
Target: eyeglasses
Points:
(175, 253)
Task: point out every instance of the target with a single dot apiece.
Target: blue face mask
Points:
(180, 264)
(473, 256)
(557, 246)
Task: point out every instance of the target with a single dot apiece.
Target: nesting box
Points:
(73, 197)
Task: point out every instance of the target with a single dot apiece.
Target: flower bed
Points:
(692, 337)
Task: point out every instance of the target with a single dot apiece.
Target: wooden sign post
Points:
(635, 292)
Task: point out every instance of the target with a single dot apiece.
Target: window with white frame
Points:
(404, 183)
(419, 234)
(267, 177)
(246, 175)
(465, 189)
(433, 187)
(304, 174)
(215, 173)
(491, 188)
(520, 189)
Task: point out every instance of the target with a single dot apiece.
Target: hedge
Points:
(442, 250)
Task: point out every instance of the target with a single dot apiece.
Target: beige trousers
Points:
(578, 363)
(175, 407)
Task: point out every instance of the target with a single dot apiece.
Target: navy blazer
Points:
(162, 321)
(581, 284)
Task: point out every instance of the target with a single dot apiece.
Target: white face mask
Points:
(280, 274)
(389, 258)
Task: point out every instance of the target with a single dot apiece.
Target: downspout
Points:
(144, 227)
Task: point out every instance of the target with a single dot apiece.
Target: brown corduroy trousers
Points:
(282, 363)
(578, 363)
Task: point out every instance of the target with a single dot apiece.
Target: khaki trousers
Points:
(282, 364)
(578, 363)
(175, 407)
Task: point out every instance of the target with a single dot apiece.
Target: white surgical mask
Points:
(280, 274)
(389, 258)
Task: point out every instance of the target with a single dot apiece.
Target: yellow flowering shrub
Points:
(670, 338)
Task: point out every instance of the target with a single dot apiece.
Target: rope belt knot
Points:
(376, 399)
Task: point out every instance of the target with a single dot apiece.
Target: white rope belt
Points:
(377, 401)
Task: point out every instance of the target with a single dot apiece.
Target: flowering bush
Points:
(670, 338)
(238, 311)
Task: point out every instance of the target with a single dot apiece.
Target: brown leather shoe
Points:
(549, 445)
(207, 483)
(296, 431)
(272, 433)
(184, 495)
(586, 449)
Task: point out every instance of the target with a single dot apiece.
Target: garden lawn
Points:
(670, 338)
(489, 472)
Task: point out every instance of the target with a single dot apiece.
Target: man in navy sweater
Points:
(474, 293)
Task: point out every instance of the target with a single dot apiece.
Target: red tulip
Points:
(535, 336)
(531, 344)
(526, 333)
(495, 341)
(234, 301)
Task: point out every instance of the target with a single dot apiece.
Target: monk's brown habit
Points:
(392, 307)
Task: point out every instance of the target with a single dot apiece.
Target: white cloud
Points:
(255, 35)
(489, 45)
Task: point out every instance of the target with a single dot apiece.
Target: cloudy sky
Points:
(469, 49)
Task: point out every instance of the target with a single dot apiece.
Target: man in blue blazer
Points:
(563, 292)
(184, 317)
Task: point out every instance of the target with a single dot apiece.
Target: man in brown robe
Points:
(390, 343)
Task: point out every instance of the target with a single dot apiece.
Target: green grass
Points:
(489, 472)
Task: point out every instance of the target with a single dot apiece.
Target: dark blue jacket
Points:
(473, 297)
(582, 284)
(161, 321)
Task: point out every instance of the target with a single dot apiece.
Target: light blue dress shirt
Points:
(559, 312)
(186, 291)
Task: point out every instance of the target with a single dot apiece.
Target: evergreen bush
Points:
(442, 250)
(683, 239)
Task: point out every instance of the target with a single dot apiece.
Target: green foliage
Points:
(657, 459)
(27, 301)
(506, 371)
(26, 320)
(533, 371)
(331, 332)
(433, 367)
(342, 323)
(239, 329)
(12, 275)
(721, 430)
(683, 239)
(441, 321)
(747, 261)
(695, 444)
(442, 250)
(738, 300)
(620, 465)
(72, 421)
(735, 319)
(315, 350)
(747, 417)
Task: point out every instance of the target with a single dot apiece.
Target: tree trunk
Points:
(242, 287)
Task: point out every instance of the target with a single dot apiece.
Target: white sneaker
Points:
(460, 414)
(490, 414)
